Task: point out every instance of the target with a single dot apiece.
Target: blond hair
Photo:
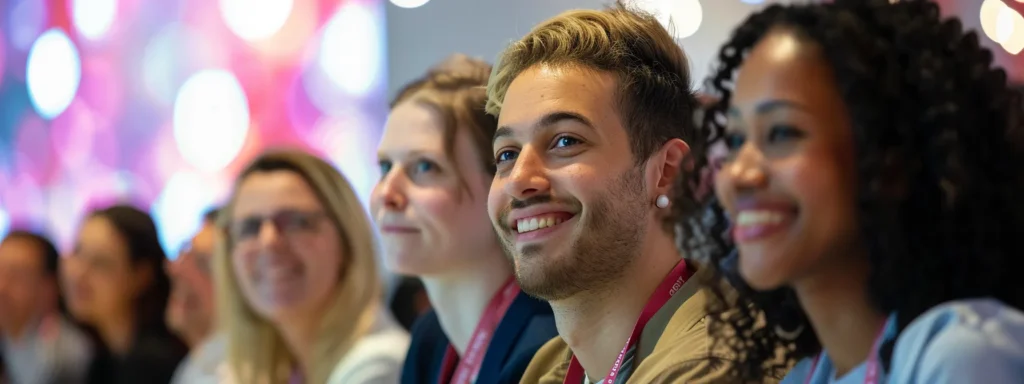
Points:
(256, 351)
(456, 90)
(655, 101)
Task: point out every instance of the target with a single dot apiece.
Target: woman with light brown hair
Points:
(298, 287)
(431, 208)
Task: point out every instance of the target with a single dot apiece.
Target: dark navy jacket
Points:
(527, 325)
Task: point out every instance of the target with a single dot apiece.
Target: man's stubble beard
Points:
(609, 241)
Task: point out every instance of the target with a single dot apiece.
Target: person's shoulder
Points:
(686, 352)
(427, 336)
(549, 364)
(375, 358)
(540, 329)
(798, 374)
(158, 348)
(391, 342)
(427, 326)
(961, 341)
(686, 332)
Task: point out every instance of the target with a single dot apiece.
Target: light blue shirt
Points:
(55, 354)
(968, 341)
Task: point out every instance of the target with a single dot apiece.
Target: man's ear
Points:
(669, 163)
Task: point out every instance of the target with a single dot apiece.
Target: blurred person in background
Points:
(409, 301)
(37, 344)
(116, 287)
(299, 294)
(190, 309)
(874, 189)
(431, 209)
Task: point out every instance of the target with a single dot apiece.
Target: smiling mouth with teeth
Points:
(539, 222)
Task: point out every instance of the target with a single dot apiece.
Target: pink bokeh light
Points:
(33, 154)
(102, 87)
(115, 142)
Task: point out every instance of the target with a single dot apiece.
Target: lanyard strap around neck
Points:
(870, 366)
(465, 371)
(668, 288)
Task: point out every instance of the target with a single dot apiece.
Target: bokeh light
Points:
(93, 18)
(350, 143)
(350, 51)
(409, 3)
(211, 119)
(102, 87)
(3, 54)
(686, 17)
(180, 207)
(54, 71)
(296, 33)
(159, 104)
(5, 222)
(1010, 28)
(26, 20)
(72, 134)
(681, 17)
(255, 20)
(1003, 25)
(33, 154)
(24, 199)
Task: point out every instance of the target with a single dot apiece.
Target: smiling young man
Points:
(595, 112)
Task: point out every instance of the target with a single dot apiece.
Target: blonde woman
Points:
(297, 281)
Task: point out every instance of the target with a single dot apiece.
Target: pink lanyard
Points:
(668, 288)
(871, 365)
(465, 371)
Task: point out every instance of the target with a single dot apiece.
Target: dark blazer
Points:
(151, 360)
(527, 325)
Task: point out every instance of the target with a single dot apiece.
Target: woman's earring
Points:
(789, 335)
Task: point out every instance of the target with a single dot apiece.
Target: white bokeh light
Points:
(93, 18)
(681, 17)
(5, 222)
(255, 20)
(686, 18)
(53, 73)
(211, 119)
(179, 208)
(1013, 41)
(1005, 24)
(409, 3)
(990, 10)
(349, 140)
(350, 50)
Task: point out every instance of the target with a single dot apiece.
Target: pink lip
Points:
(744, 204)
(396, 229)
(751, 233)
(748, 233)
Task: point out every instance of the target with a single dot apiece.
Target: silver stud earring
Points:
(662, 201)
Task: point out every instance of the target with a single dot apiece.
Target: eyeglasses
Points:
(290, 223)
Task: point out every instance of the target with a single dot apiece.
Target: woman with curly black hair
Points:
(874, 188)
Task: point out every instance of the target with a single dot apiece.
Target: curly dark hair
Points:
(937, 137)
